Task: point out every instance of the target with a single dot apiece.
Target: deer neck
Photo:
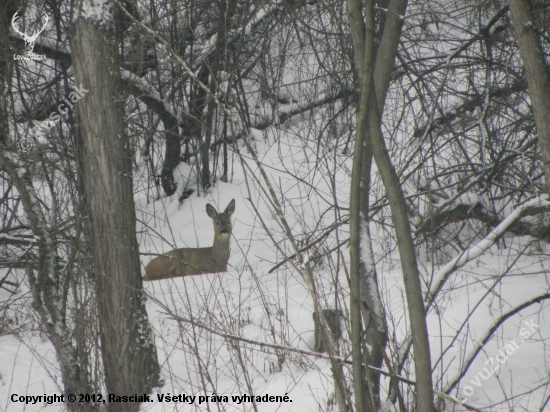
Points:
(220, 248)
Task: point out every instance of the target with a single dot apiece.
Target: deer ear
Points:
(230, 208)
(211, 211)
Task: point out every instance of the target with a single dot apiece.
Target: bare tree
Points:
(369, 134)
(33, 241)
(458, 162)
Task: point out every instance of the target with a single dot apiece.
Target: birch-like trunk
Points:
(362, 267)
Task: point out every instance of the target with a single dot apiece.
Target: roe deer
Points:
(194, 261)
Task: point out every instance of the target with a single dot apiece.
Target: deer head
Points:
(29, 40)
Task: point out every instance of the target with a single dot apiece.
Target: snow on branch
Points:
(291, 110)
(260, 16)
(532, 207)
(21, 240)
(137, 86)
(144, 91)
(141, 89)
(443, 122)
(209, 48)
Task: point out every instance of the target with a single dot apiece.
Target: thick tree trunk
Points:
(537, 78)
(128, 349)
(7, 9)
(47, 298)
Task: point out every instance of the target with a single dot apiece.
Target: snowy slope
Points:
(275, 308)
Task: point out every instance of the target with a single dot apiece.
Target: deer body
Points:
(195, 261)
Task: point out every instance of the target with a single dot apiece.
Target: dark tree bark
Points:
(382, 74)
(43, 275)
(128, 349)
(7, 9)
(411, 274)
(218, 61)
(537, 76)
(171, 156)
(369, 124)
(366, 399)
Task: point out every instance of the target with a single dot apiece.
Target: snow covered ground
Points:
(275, 308)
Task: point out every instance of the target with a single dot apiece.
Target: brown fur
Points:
(195, 261)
